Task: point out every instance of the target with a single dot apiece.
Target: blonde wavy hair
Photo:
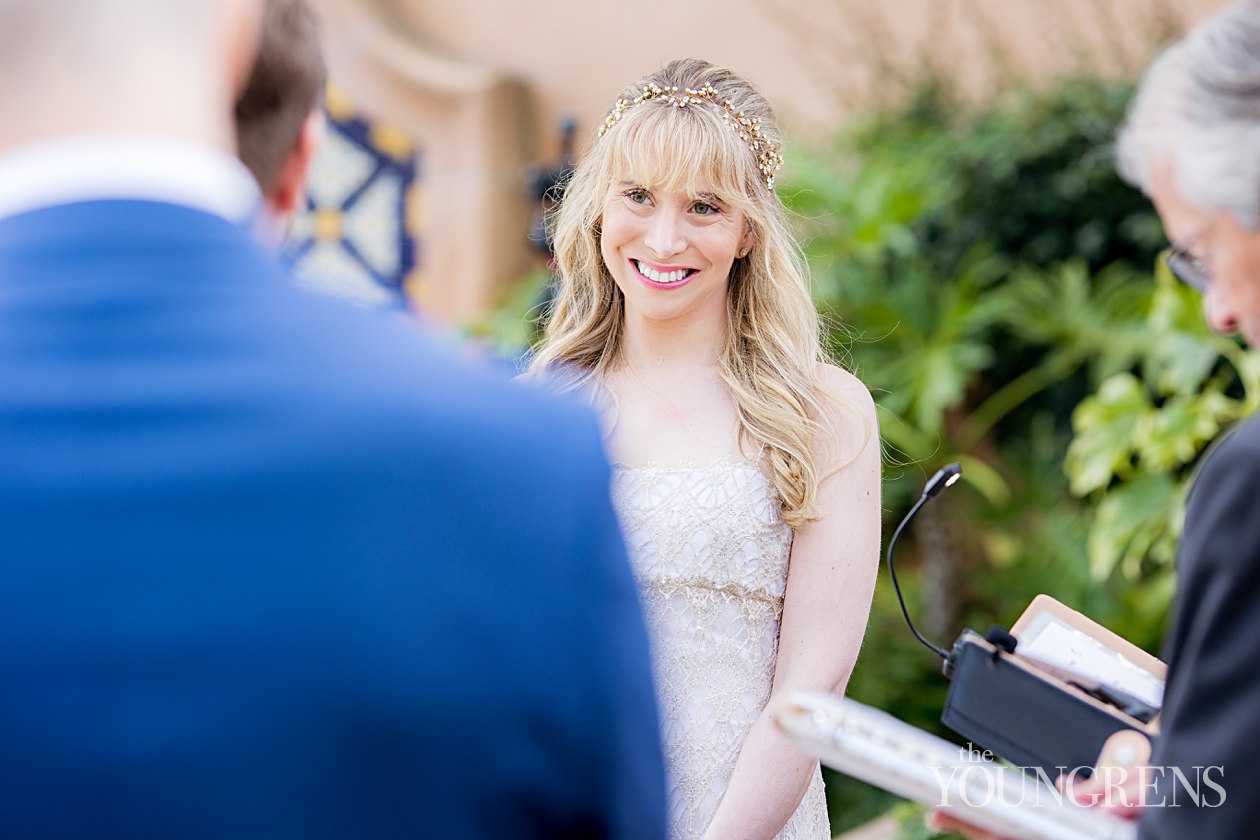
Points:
(771, 358)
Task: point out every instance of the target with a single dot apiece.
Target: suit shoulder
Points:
(1245, 437)
(523, 423)
(373, 370)
(1237, 453)
(1221, 531)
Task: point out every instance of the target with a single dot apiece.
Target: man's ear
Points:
(288, 190)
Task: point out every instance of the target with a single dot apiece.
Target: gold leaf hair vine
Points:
(769, 159)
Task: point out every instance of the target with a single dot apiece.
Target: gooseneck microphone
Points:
(945, 476)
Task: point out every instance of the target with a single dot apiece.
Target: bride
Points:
(747, 468)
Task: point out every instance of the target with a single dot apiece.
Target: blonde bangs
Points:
(690, 150)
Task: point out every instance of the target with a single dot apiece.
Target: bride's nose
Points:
(666, 234)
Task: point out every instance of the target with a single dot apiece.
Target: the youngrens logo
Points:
(975, 785)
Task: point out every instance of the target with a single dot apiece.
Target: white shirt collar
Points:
(87, 168)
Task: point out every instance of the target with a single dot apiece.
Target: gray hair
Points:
(1198, 109)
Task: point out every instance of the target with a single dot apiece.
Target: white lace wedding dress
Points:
(710, 552)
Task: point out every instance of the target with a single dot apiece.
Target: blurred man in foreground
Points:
(271, 566)
(1192, 143)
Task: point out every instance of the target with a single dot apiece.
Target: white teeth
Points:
(660, 277)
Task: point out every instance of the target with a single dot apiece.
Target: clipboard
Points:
(1047, 626)
(1052, 706)
(877, 748)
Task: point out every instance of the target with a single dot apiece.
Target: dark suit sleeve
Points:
(1211, 717)
(629, 736)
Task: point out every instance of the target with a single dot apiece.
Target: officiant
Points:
(1192, 144)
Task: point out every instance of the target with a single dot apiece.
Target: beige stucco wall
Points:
(482, 84)
(811, 57)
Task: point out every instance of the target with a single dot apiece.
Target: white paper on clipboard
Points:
(878, 748)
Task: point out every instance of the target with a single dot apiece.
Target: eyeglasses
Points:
(1186, 267)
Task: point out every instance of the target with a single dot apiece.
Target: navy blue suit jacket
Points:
(273, 566)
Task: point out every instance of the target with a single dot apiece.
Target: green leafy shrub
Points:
(1140, 436)
(989, 276)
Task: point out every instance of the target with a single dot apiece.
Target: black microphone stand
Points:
(945, 477)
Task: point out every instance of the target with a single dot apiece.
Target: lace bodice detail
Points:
(710, 552)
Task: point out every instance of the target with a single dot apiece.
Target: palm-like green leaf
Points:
(1106, 426)
(1141, 519)
(1177, 432)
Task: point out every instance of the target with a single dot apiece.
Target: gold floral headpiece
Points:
(769, 158)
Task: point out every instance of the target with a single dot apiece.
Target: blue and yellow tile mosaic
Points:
(358, 236)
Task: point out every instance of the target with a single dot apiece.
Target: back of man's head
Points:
(169, 67)
(283, 90)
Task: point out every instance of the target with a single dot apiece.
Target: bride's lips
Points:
(660, 270)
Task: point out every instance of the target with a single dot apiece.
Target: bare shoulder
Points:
(848, 411)
(846, 391)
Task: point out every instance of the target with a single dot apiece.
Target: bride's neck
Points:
(652, 347)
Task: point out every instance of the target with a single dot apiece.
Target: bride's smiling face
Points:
(670, 251)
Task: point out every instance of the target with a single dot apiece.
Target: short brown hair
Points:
(285, 85)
